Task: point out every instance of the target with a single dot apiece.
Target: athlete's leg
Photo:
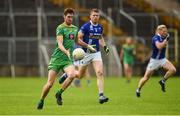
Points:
(98, 67)
(143, 80)
(77, 81)
(51, 78)
(125, 69)
(70, 71)
(81, 72)
(88, 78)
(170, 71)
(128, 71)
(62, 78)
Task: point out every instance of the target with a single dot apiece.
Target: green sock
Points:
(60, 91)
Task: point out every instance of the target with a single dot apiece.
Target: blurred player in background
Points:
(92, 34)
(127, 55)
(61, 59)
(158, 59)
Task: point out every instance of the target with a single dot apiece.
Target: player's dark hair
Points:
(160, 27)
(94, 10)
(69, 11)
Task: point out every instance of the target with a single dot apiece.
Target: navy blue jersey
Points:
(92, 34)
(157, 53)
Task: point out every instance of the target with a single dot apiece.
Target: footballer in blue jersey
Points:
(158, 59)
(157, 53)
(92, 34)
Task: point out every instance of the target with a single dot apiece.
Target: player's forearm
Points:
(60, 44)
(79, 40)
(161, 45)
(102, 42)
(81, 43)
(61, 47)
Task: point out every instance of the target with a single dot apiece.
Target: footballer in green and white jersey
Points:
(59, 60)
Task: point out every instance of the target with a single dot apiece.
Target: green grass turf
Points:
(19, 96)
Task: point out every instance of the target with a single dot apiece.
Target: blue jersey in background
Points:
(92, 34)
(157, 53)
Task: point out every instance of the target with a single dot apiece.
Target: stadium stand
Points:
(165, 16)
(24, 6)
(4, 6)
(52, 6)
(6, 26)
(26, 49)
(52, 22)
(26, 26)
(4, 52)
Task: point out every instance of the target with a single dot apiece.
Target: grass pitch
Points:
(19, 96)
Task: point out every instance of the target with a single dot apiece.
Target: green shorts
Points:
(129, 62)
(57, 64)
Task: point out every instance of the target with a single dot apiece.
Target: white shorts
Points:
(155, 64)
(77, 63)
(88, 58)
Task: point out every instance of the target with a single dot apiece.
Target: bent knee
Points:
(80, 75)
(145, 78)
(173, 70)
(99, 73)
(71, 75)
(49, 84)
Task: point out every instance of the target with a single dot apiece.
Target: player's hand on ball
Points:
(106, 49)
(89, 47)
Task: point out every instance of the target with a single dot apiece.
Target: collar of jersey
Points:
(159, 34)
(67, 25)
(93, 23)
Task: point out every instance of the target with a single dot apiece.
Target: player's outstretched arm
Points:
(83, 44)
(61, 47)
